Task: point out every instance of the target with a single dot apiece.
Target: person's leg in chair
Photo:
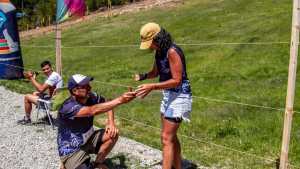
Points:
(29, 99)
(107, 144)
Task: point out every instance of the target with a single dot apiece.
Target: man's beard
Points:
(83, 97)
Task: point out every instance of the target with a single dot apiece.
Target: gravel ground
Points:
(34, 146)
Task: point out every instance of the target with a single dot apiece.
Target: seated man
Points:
(77, 138)
(53, 82)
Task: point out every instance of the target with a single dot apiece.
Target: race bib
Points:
(87, 135)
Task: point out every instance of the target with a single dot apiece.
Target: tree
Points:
(38, 12)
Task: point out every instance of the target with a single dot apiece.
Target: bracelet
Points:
(143, 76)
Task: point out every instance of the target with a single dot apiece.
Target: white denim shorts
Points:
(176, 105)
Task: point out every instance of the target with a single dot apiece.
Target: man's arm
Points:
(105, 107)
(111, 117)
(39, 87)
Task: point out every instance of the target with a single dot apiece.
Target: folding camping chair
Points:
(59, 95)
(45, 106)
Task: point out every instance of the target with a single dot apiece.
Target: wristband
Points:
(143, 76)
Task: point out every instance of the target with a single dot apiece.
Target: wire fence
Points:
(194, 96)
(181, 44)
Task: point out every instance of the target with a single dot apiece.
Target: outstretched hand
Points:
(128, 96)
(143, 90)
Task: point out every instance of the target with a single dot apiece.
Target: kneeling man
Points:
(77, 138)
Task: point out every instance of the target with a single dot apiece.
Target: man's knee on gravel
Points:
(77, 138)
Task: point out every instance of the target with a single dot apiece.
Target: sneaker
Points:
(24, 121)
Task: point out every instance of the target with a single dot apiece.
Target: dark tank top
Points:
(164, 71)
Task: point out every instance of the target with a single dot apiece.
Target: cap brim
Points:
(146, 44)
(86, 81)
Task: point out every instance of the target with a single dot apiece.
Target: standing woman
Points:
(176, 105)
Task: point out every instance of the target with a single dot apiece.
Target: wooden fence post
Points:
(58, 50)
(288, 116)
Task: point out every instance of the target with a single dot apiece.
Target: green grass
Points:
(254, 74)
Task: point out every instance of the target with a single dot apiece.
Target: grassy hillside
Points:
(254, 74)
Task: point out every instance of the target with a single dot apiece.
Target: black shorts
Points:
(81, 158)
(174, 119)
(44, 96)
(41, 104)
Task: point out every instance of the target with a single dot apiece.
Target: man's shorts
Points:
(92, 146)
(44, 96)
(176, 106)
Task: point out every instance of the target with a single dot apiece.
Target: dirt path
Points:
(117, 10)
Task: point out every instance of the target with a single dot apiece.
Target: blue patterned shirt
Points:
(74, 131)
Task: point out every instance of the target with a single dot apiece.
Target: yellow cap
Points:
(148, 32)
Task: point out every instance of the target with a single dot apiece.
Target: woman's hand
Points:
(144, 89)
(136, 77)
(140, 77)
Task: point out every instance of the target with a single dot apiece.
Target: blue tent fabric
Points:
(11, 64)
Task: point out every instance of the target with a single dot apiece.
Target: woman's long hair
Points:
(164, 40)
